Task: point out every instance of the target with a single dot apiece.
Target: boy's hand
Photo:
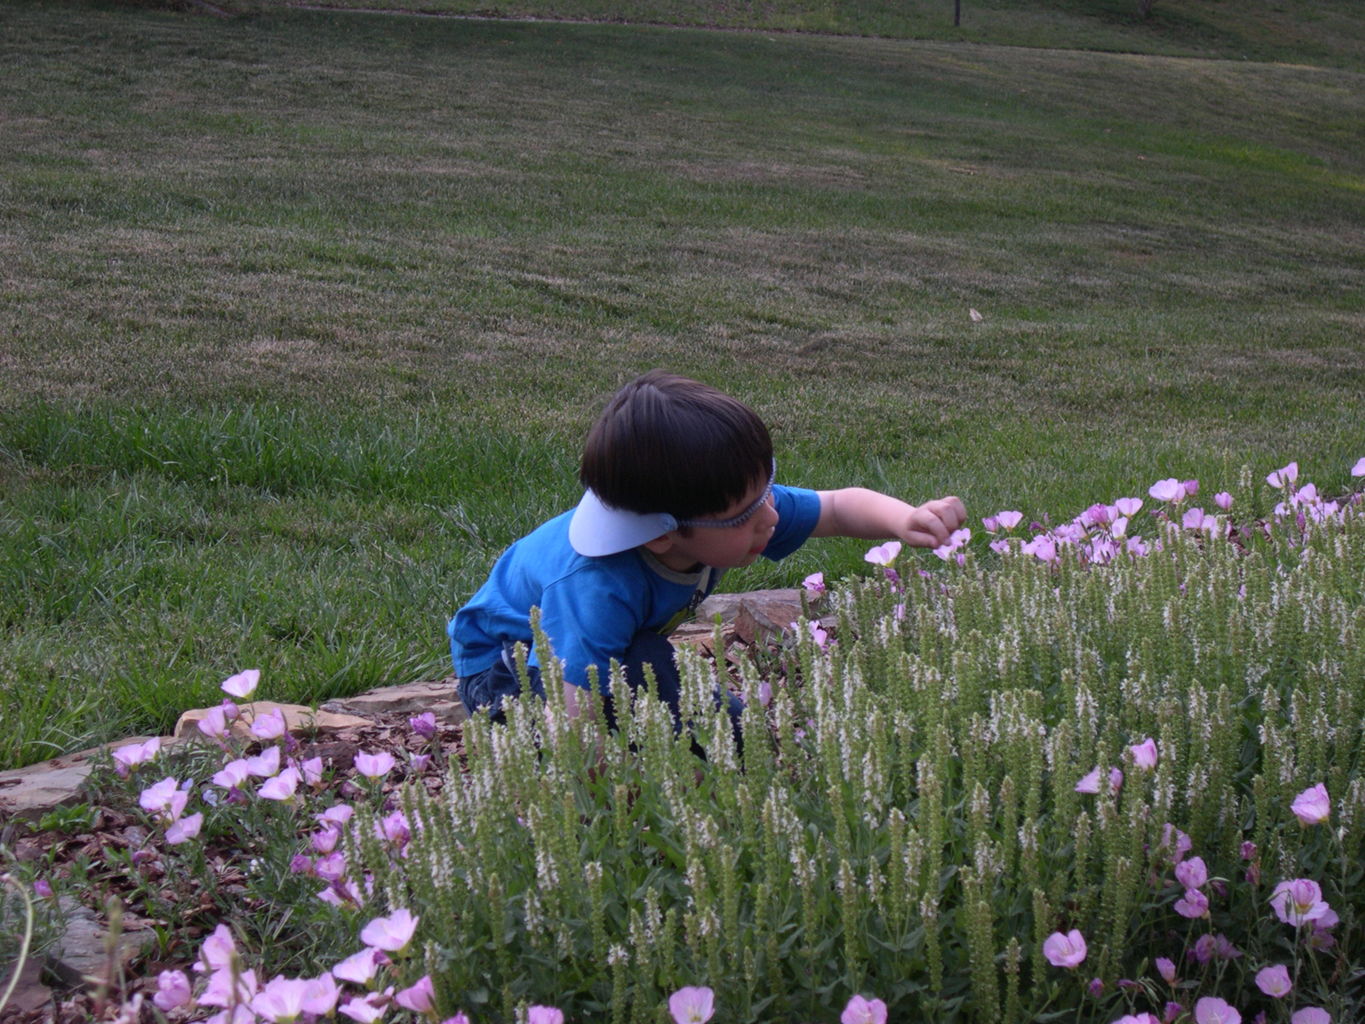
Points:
(929, 525)
(859, 512)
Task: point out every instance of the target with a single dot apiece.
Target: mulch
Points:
(47, 994)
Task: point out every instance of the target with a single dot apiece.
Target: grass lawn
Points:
(303, 315)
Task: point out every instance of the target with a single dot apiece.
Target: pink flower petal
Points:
(243, 684)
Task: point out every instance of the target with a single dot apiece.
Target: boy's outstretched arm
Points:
(871, 515)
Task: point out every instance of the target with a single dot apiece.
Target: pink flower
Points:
(214, 724)
(424, 725)
(312, 771)
(1097, 515)
(883, 554)
(1064, 950)
(1223, 500)
(1211, 1010)
(1009, 520)
(814, 583)
(1311, 1015)
(1298, 901)
(544, 1015)
(1205, 949)
(358, 968)
(1195, 519)
(1194, 904)
(419, 997)
(1191, 487)
(1090, 782)
(243, 684)
(1327, 921)
(218, 951)
(1139, 1018)
(228, 988)
(374, 766)
(1175, 842)
(819, 635)
(282, 786)
(1283, 476)
(394, 828)
(184, 829)
(1224, 949)
(1192, 873)
(863, 1011)
(392, 933)
(692, 1005)
(1042, 547)
(265, 764)
(1312, 806)
(269, 726)
(1128, 506)
(232, 774)
(1274, 980)
(331, 867)
(1165, 968)
(955, 540)
(133, 754)
(1359, 468)
(337, 814)
(1169, 489)
(281, 999)
(320, 995)
(164, 800)
(366, 1009)
(1144, 753)
(172, 990)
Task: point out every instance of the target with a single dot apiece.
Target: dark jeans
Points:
(485, 691)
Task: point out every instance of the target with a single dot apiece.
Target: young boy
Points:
(681, 485)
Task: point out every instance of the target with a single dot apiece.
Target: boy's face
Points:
(723, 547)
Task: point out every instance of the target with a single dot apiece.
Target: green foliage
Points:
(907, 823)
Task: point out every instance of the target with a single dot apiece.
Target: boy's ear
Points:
(662, 544)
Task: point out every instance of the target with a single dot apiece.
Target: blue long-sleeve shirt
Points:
(591, 608)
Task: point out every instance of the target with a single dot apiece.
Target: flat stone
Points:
(30, 994)
(36, 789)
(754, 614)
(700, 635)
(777, 605)
(436, 696)
(82, 957)
(297, 718)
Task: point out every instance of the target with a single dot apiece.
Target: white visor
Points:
(597, 529)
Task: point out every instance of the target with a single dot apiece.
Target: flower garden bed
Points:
(1105, 771)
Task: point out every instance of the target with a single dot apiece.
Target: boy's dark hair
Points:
(665, 443)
